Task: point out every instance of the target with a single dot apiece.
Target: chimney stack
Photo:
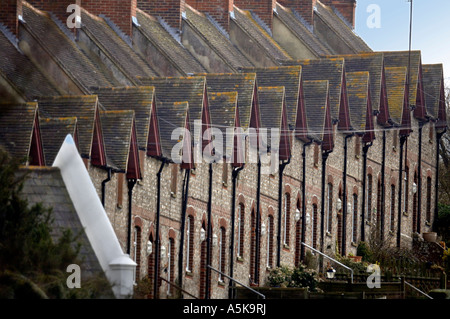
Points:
(219, 10)
(10, 10)
(169, 10)
(263, 8)
(303, 7)
(346, 7)
(120, 12)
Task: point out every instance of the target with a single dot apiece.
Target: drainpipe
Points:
(419, 180)
(187, 176)
(302, 248)
(258, 223)
(363, 219)
(157, 240)
(344, 197)
(108, 179)
(383, 186)
(400, 185)
(131, 184)
(280, 201)
(209, 235)
(234, 177)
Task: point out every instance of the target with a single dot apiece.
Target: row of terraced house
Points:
(162, 99)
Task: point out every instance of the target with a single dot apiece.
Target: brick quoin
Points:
(263, 8)
(304, 7)
(217, 9)
(169, 10)
(118, 11)
(9, 12)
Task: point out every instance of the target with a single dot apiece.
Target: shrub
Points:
(299, 277)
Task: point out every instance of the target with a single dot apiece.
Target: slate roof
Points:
(46, 186)
(23, 75)
(316, 98)
(433, 82)
(292, 21)
(171, 115)
(358, 85)
(260, 37)
(395, 83)
(63, 50)
(223, 107)
(53, 133)
(243, 84)
(341, 28)
(287, 76)
(16, 128)
(216, 39)
(114, 47)
(180, 89)
(374, 64)
(271, 101)
(329, 69)
(117, 128)
(84, 108)
(401, 59)
(139, 99)
(160, 38)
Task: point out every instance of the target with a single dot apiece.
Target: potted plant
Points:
(430, 236)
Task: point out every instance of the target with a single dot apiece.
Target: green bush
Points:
(299, 277)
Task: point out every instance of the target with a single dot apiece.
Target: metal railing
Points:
(326, 256)
(232, 279)
(417, 289)
(178, 288)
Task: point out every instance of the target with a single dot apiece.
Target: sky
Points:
(384, 26)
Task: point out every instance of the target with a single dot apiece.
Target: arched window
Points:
(414, 222)
(355, 219)
(392, 224)
(298, 233)
(428, 211)
(406, 190)
(270, 237)
(222, 252)
(171, 264)
(241, 230)
(369, 197)
(190, 232)
(314, 218)
(287, 218)
(137, 252)
(329, 208)
(253, 262)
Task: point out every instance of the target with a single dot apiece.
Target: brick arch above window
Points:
(287, 189)
(330, 179)
(369, 170)
(315, 200)
(429, 173)
(222, 223)
(172, 233)
(355, 190)
(241, 199)
(190, 211)
(393, 181)
(138, 222)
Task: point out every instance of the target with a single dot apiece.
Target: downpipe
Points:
(183, 225)
(302, 248)
(344, 197)
(157, 240)
(280, 201)
(104, 182)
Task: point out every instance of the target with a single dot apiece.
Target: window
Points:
(392, 226)
(137, 252)
(369, 197)
(253, 262)
(171, 264)
(222, 252)
(355, 219)
(269, 247)
(379, 189)
(414, 222)
(329, 207)
(428, 211)
(287, 218)
(314, 226)
(190, 243)
(241, 229)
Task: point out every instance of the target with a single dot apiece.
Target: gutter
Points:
(280, 201)
(234, 177)
(157, 240)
